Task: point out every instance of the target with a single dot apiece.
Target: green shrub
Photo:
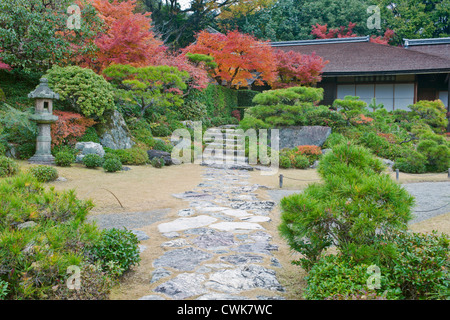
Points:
(334, 139)
(33, 260)
(117, 250)
(413, 162)
(162, 146)
(8, 167)
(432, 113)
(44, 173)
(285, 162)
(110, 155)
(142, 132)
(26, 150)
(95, 284)
(64, 159)
(192, 110)
(82, 90)
(438, 155)
(157, 162)
(354, 203)
(133, 156)
(92, 161)
(90, 135)
(422, 265)
(333, 276)
(112, 165)
(160, 130)
(300, 162)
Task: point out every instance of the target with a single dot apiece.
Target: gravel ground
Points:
(130, 220)
(429, 197)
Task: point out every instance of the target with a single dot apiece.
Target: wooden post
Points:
(281, 181)
(397, 174)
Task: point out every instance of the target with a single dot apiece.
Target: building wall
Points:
(395, 92)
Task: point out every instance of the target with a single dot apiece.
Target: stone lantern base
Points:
(42, 159)
(43, 153)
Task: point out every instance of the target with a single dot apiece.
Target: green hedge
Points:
(219, 101)
(245, 97)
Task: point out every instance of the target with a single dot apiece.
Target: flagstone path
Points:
(219, 247)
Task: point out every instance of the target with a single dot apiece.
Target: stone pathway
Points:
(218, 248)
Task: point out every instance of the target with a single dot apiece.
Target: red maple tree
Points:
(240, 58)
(69, 127)
(322, 32)
(296, 69)
(127, 38)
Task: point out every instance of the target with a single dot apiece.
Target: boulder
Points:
(88, 148)
(114, 133)
(291, 137)
(160, 154)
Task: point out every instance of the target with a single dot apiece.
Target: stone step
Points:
(225, 154)
(226, 146)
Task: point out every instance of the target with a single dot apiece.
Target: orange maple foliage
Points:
(308, 150)
(240, 58)
(69, 127)
(127, 38)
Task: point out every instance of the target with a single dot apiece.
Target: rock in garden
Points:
(234, 226)
(244, 278)
(186, 212)
(183, 286)
(215, 240)
(160, 273)
(114, 133)
(141, 235)
(160, 154)
(88, 148)
(291, 137)
(244, 258)
(186, 259)
(191, 195)
(186, 223)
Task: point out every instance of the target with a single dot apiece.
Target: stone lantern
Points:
(44, 118)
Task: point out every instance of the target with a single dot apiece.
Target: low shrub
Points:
(162, 146)
(421, 267)
(133, 156)
(333, 276)
(8, 167)
(285, 162)
(35, 259)
(92, 160)
(90, 135)
(64, 159)
(311, 152)
(112, 165)
(157, 162)
(300, 162)
(117, 250)
(44, 173)
(95, 284)
(413, 162)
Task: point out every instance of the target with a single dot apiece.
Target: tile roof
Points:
(354, 56)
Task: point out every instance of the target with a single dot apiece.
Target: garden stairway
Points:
(224, 149)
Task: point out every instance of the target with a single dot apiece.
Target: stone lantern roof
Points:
(43, 91)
